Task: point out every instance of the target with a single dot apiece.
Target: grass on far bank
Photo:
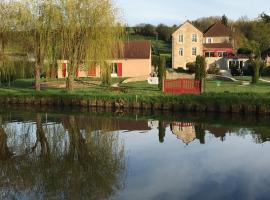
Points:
(144, 88)
(223, 93)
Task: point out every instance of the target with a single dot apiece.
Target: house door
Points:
(92, 71)
(64, 70)
(119, 69)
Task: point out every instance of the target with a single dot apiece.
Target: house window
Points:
(194, 38)
(220, 54)
(181, 38)
(209, 54)
(209, 40)
(194, 51)
(114, 68)
(181, 52)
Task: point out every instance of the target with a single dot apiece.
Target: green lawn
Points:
(26, 86)
(213, 87)
(236, 87)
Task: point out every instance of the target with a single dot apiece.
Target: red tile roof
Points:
(218, 30)
(218, 46)
(136, 50)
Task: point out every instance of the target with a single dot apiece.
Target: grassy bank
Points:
(229, 97)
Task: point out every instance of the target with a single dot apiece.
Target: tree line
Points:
(84, 32)
(250, 35)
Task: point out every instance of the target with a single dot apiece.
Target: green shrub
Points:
(191, 67)
(161, 71)
(155, 61)
(256, 65)
(266, 71)
(213, 69)
(200, 73)
(180, 70)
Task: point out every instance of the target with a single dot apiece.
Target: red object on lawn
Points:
(182, 86)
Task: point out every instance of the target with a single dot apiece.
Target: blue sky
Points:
(176, 11)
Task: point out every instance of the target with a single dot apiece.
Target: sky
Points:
(171, 12)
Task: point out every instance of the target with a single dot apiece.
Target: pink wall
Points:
(130, 68)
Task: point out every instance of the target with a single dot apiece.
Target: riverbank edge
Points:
(219, 103)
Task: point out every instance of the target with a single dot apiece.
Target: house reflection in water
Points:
(184, 131)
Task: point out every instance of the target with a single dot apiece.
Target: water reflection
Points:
(189, 132)
(103, 156)
(60, 161)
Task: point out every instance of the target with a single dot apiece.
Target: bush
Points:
(180, 70)
(161, 71)
(266, 71)
(155, 61)
(191, 67)
(244, 51)
(213, 69)
(256, 65)
(200, 72)
(248, 71)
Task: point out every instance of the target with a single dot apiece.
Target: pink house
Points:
(134, 62)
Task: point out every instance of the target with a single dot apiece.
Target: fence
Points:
(182, 86)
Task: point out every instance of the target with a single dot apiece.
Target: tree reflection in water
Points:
(65, 162)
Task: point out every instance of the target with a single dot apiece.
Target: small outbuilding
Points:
(135, 61)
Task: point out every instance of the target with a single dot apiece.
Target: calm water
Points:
(96, 155)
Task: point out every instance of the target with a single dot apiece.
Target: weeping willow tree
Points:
(64, 160)
(43, 18)
(7, 25)
(91, 35)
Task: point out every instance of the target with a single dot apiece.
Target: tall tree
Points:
(91, 33)
(224, 20)
(164, 32)
(265, 18)
(161, 71)
(200, 71)
(43, 16)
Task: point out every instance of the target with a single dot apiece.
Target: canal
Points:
(75, 154)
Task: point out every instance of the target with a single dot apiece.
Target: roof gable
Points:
(218, 30)
(135, 50)
(186, 22)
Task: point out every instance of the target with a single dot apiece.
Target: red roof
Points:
(136, 50)
(218, 30)
(218, 46)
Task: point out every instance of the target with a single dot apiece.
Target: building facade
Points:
(187, 43)
(216, 44)
(135, 61)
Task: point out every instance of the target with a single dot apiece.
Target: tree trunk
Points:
(70, 82)
(2, 46)
(37, 77)
(5, 154)
(41, 138)
(202, 85)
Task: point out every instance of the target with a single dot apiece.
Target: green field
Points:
(158, 46)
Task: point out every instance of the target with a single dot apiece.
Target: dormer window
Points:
(181, 38)
(194, 38)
